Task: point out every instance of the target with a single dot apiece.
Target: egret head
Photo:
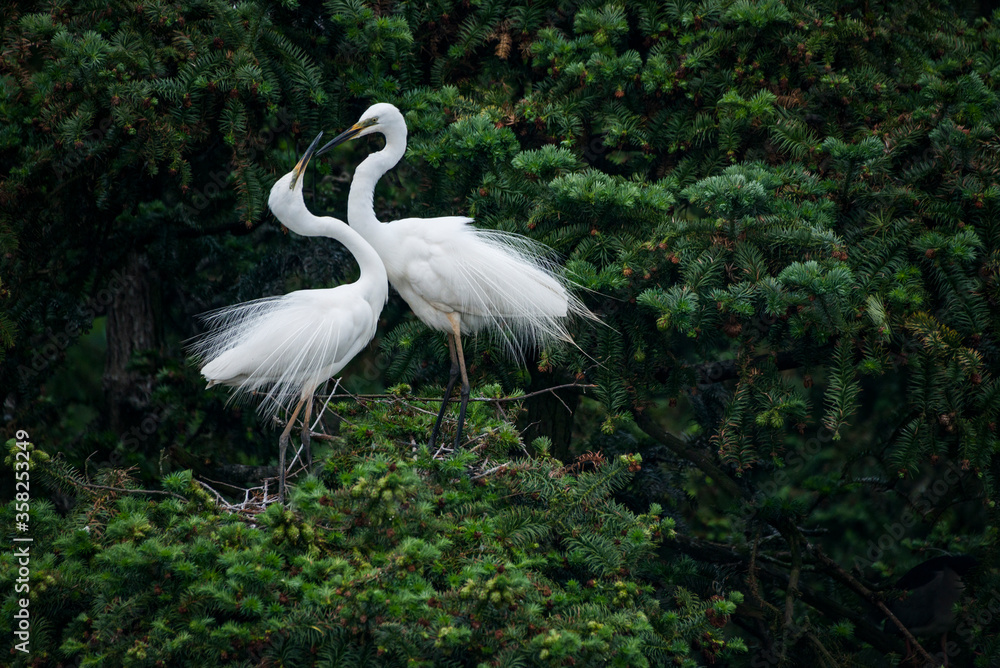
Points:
(382, 117)
(286, 193)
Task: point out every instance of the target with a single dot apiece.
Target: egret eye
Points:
(459, 279)
(284, 348)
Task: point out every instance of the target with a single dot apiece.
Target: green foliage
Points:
(387, 556)
(786, 214)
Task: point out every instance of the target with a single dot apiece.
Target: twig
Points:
(723, 370)
(498, 400)
(322, 410)
(219, 482)
(218, 496)
(824, 652)
(839, 573)
(90, 485)
(489, 471)
(719, 553)
(696, 457)
(791, 591)
(442, 448)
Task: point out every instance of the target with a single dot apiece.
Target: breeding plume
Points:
(457, 278)
(284, 348)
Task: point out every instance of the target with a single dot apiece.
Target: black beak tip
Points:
(311, 151)
(326, 147)
(350, 133)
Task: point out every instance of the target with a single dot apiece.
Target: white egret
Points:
(292, 344)
(458, 279)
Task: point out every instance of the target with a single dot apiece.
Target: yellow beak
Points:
(350, 133)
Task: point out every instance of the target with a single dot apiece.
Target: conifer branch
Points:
(696, 457)
(709, 551)
(791, 592)
(723, 370)
(835, 570)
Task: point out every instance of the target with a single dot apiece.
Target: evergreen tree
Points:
(784, 212)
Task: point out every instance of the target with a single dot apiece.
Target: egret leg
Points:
(282, 447)
(457, 328)
(307, 434)
(452, 377)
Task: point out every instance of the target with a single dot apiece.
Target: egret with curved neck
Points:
(285, 347)
(457, 278)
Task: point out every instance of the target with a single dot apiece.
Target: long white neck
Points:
(294, 215)
(368, 260)
(361, 200)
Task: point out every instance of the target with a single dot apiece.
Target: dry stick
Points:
(89, 485)
(219, 482)
(837, 571)
(218, 496)
(492, 399)
(232, 507)
(492, 470)
(824, 652)
(441, 449)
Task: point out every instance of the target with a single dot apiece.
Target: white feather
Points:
(498, 283)
(283, 348)
(280, 348)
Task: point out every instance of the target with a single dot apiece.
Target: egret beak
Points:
(300, 167)
(350, 133)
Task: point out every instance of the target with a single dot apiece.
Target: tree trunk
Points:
(551, 414)
(131, 328)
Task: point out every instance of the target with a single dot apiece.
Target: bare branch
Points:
(91, 485)
(700, 459)
(496, 400)
(835, 570)
(791, 592)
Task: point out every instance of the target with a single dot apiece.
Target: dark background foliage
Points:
(786, 214)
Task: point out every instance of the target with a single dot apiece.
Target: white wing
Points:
(499, 282)
(287, 344)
